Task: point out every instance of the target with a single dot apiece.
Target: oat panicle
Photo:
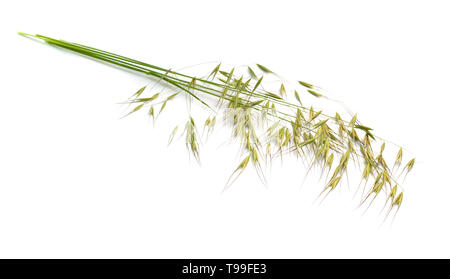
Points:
(270, 123)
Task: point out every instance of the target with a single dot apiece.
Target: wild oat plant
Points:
(269, 122)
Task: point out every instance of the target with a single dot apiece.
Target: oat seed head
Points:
(265, 122)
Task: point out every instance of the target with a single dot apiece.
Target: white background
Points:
(76, 181)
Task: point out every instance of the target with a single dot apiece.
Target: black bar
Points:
(224, 268)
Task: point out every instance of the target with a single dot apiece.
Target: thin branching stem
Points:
(318, 138)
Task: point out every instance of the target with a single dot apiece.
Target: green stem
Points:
(140, 67)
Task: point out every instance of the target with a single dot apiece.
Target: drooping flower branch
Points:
(268, 124)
